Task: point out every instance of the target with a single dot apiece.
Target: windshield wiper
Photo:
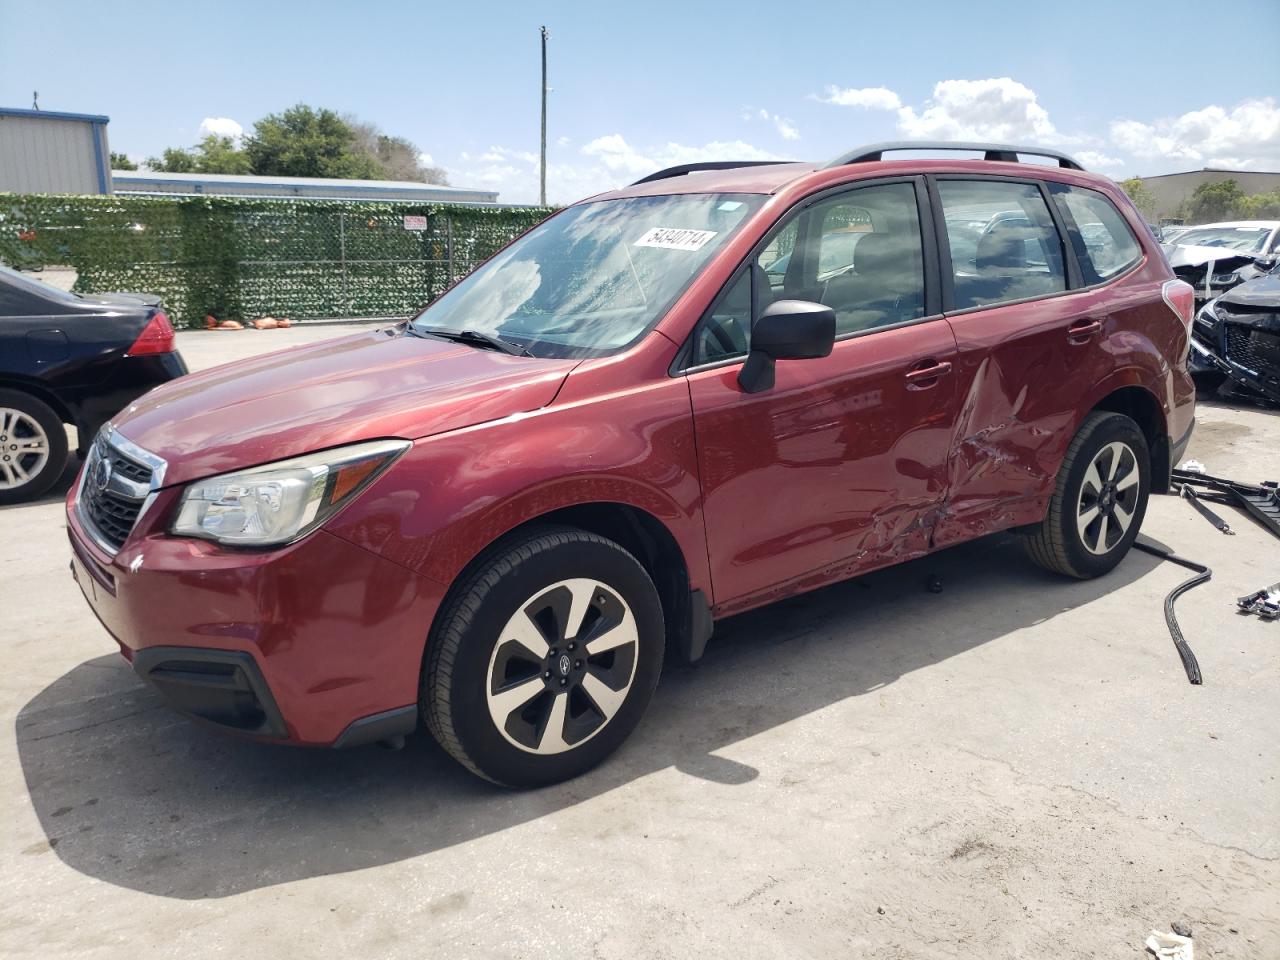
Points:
(475, 338)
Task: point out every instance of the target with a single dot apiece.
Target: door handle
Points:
(926, 374)
(1082, 331)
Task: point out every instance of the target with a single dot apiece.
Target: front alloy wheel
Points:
(544, 657)
(563, 666)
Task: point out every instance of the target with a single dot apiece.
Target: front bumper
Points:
(317, 643)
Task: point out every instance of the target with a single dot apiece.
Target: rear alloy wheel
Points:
(33, 447)
(1099, 500)
(544, 657)
(1108, 498)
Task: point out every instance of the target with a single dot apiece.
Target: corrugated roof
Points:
(143, 177)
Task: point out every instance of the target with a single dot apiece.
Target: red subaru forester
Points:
(723, 385)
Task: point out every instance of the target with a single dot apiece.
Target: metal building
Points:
(324, 188)
(42, 151)
(1172, 190)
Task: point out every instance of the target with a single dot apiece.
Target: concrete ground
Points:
(1015, 767)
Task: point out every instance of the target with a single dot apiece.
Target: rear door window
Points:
(1105, 246)
(1004, 245)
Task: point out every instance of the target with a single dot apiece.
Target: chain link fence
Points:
(238, 258)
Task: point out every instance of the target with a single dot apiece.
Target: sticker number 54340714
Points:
(675, 238)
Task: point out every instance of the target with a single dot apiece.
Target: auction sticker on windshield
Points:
(675, 238)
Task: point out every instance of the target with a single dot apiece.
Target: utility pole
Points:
(542, 170)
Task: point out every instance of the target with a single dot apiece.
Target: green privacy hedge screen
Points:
(239, 258)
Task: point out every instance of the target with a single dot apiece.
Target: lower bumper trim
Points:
(387, 725)
(224, 688)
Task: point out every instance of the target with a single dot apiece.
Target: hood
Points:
(362, 387)
(1190, 255)
(1262, 292)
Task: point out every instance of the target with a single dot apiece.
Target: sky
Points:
(1129, 88)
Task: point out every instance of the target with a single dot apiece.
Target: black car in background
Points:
(68, 358)
(1237, 336)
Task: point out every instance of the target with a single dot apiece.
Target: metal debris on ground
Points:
(1203, 573)
(1265, 602)
(1170, 946)
(1262, 500)
(1189, 494)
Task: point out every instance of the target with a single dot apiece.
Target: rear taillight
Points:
(1181, 298)
(156, 337)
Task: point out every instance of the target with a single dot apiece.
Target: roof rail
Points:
(682, 169)
(991, 151)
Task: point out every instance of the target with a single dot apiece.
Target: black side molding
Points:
(388, 725)
(694, 643)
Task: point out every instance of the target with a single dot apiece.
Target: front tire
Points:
(33, 447)
(1099, 500)
(544, 659)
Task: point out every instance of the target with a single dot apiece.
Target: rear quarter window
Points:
(1104, 244)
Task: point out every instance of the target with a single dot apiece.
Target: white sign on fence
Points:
(414, 223)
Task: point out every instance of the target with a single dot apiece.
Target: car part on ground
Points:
(1262, 500)
(1237, 336)
(74, 360)
(1189, 494)
(1202, 575)
(1265, 602)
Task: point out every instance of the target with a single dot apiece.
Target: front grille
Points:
(134, 471)
(112, 514)
(1253, 348)
(114, 486)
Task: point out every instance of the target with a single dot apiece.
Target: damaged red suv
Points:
(723, 385)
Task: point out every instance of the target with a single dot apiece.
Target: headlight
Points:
(283, 501)
(1206, 317)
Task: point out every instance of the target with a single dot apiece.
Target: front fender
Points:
(452, 495)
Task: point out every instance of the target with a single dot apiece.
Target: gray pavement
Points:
(1012, 767)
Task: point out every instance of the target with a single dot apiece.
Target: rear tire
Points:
(543, 660)
(33, 447)
(1098, 502)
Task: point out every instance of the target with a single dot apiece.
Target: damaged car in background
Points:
(1237, 337)
(1216, 257)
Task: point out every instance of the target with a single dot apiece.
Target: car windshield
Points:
(593, 278)
(1241, 239)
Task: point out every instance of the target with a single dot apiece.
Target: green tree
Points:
(306, 142)
(213, 154)
(399, 158)
(1142, 198)
(1260, 206)
(173, 160)
(120, 161)
(1214, 201)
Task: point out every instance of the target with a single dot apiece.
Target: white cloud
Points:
(426, 160)
(1246, 135)
(219, 127)
(869, 98)
(604, 163)
(996, 109)
(1092, 159)
(782, 125)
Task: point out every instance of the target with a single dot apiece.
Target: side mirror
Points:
(1267, 263)
(787, 330)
